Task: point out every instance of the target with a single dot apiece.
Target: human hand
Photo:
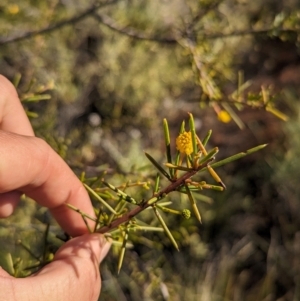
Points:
(29, 165)
(73, 275)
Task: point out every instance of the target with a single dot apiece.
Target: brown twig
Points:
(171, 187)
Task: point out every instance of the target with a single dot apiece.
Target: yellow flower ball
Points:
(186, 213)
(184, 143)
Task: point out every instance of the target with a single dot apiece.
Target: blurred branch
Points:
(246, 32)
(53, 27)
(133, 33)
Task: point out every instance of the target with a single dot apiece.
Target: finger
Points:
(12, 115)
(86, 246)
(8, 202)
(29, 165)
(78, 260)
(12, 119)
(73, 274)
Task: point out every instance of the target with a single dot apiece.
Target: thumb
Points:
(89, 246)
(75, 268)
(72, 275)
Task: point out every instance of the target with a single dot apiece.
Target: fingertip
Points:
(12, 115)
(8, 202)
(7, 86)
(100, 245)
(74, 272)
(86, 246)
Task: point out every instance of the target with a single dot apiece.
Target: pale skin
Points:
(29, 165)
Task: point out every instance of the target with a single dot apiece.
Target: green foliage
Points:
(117, 210)
(134, 63)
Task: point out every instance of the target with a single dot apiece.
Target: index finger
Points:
(12, 115)
(30, 166)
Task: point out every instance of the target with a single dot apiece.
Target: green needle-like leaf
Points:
(167, 140)
(121, 205)
(216, 176)
(120, 193)
(82, 177)
(213, 187)
(277, 113)
(45, 242)
(178, 167)
(97, 220)
(209, 155)
(233, 115)
(149, 228)
(86, 223)
(206, 138)
(6, 262)
(168, 210)
(119, 208)
(210, 169)
(80, 212)
(159, 168)
(156, 185)
(29, 251)
(123, 249)
(236, 157)
(177, 157)
(193, 134)
(98, 197)
(182, 127)
(165, 227)
(17, 79)
(31, 114)
(36, 98)
(193, 204)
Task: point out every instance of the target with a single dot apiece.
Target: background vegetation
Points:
(113, 71)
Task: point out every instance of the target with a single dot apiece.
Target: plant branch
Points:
(171, 187)
(130, 32)
(133, 33)
(58, 25)
(246, 32)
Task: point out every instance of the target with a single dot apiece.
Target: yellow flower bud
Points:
(184, 143)
(13, 9)
(186, 213)
(224, 116)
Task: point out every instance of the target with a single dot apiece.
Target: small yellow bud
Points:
(13, 9)
(50, 257)
(186, 213)
(224, 116)
(184, 143)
